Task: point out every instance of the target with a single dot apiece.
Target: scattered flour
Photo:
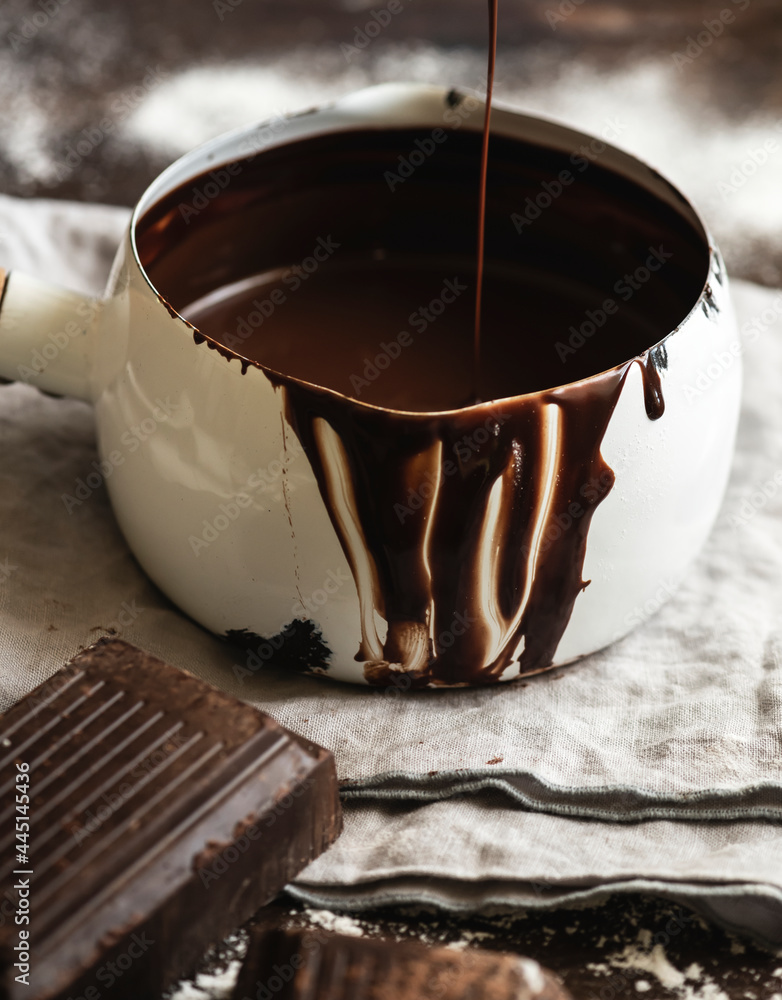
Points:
(654, 961)
(476, 937)
(336, 922)
(729, 167)
(707, 990)
(219, 986)
(468, 938)
(691, 984)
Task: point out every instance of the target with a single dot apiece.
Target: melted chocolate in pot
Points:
(465, 530)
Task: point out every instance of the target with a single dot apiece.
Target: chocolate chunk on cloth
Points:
(153, 814)
(314, 965)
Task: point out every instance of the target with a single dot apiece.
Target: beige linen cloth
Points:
(655, 765)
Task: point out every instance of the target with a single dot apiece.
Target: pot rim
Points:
(414, 104)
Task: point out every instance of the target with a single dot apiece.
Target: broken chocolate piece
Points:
(152, 814)
(311, 964)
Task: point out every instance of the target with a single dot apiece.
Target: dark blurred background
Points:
(97, 96)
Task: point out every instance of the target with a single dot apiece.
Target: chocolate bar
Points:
(311, 964)
(145, 816)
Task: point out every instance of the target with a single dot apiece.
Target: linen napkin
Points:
(654, 765)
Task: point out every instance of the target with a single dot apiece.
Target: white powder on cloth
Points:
(216, 985)
(691, 984)
(654, 961)
(199, 103)
(209, 986)
(730, 169)
(335, 922)
(640, 957)
(714, 159)
(36, 120)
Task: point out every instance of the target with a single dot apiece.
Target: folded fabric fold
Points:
(479, 853)
(609, 803)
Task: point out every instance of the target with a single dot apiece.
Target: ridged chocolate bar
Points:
(162, 814)
(311, 964)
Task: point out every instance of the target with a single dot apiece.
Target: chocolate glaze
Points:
(472, 555)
